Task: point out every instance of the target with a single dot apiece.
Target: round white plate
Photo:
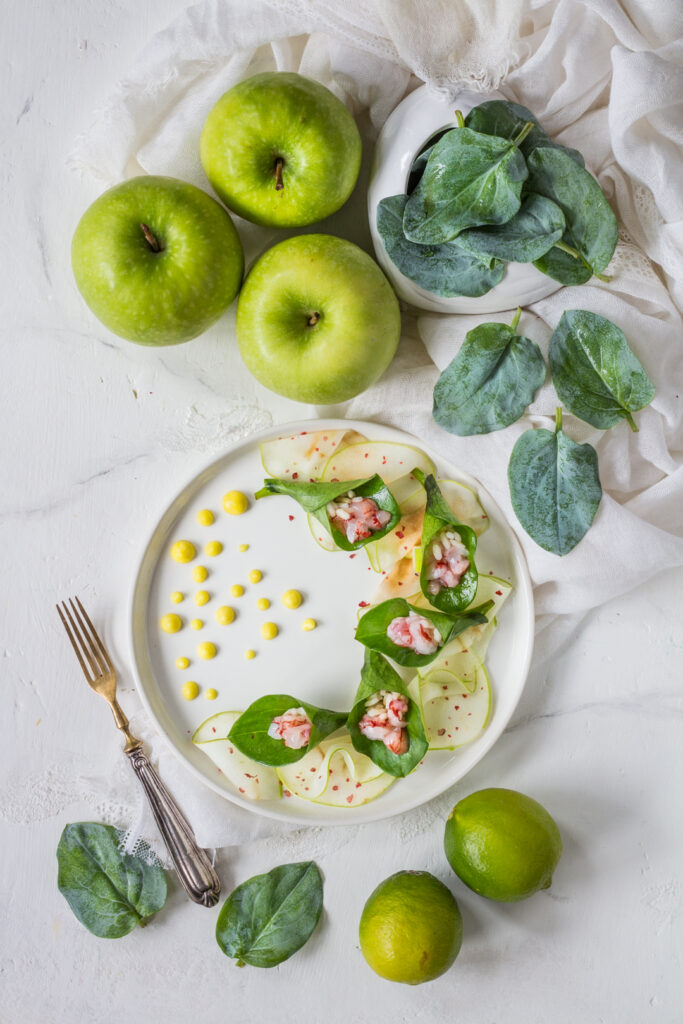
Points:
(420, 116)
(321, 666)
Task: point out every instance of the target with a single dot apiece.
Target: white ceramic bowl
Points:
(419, 117)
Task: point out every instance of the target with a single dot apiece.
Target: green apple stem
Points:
(279, 184)
(150, 239)
(313, 319)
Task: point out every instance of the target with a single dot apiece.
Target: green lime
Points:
(410, 928)
(502, 844)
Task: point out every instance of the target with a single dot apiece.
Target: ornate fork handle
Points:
(192, 863)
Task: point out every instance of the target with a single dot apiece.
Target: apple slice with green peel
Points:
(305, 453)
(320, 534)
(389, 459)
(399, 542)
(342, 791)
(460, 669)
(309, 777)
(465, 504)
(456, 716)
(401, 581)
(252, 780)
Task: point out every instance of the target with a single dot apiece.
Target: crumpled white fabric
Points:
(603, 76)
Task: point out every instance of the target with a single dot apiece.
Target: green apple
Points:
(157, 260)
(281, 150)
(317, 320)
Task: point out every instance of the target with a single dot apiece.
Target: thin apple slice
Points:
(332, 765)
(460, 669)
(465, 505)
(400, 542)
(457, 717)
(387, 458)
(342, 791)
(320, 534)
(252, 780)
(303, 455)
(401, 581)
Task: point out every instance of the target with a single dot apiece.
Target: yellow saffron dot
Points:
(262, 604)
(269, 630)
(205, 517)
(292, 598)
(182, 663)
(190, 690)
(197, 624)
(213, 548)
(199, 573)
(235, 503)
(183, 551)
(236, 590)
(255, 576)
(243, 547)
(225, 615)
(171, 623)
(249, 655)
(308, 624)
(201, 597)
(211, 694)
(177, 597)
(207, 650)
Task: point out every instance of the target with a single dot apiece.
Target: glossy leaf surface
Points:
(266, 919)
(438, 516)
(554, 487)
(594, 370)
(535, 228)
(505, 119)
(250, 731)
(491, 381)
(447, 270)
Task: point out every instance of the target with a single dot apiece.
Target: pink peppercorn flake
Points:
(349, 798)
(291, 518)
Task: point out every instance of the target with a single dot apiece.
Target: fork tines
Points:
(85, 640)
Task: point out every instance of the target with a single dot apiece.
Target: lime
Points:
(502, 844)
(410, 928)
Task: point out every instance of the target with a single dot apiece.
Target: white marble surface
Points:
(96, 433)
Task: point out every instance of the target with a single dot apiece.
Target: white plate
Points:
(419, 117)
(321, 666)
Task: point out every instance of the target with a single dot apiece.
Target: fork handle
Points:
(198, 878)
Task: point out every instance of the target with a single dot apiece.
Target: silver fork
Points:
(198, 878)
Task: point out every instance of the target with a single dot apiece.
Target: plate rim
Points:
(356, 815)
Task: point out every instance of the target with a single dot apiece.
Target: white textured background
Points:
(95, 434)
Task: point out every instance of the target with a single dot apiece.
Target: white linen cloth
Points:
(603, 76)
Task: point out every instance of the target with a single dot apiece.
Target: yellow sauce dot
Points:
(243, 547)
(211, 694)
(201, 597)
(249, 655)
(199, 573)
(213, 548)
(308, 624)
(292, 598)
(255, 576)
(183, 551)
(205, 517)
(177, 597)
(236, 590)
(262, 604)
(225, 615)
(171, 623)
(190, 690)
(182, 663)
(269, 630)
(235, 503)
(197, 624)
(207, 650)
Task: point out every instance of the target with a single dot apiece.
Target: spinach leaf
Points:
(266, 919)
(315, 497)
(554, 487)
(439, 516)
(377, 674)
(563, 263)
(418, 167)
(591, 224)
(595, 372)
(372, 628)
(470, 179)
(250, 731)
(491, 381)
(447, 269)
(527, 236)
(109, 891)
(505, 119)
